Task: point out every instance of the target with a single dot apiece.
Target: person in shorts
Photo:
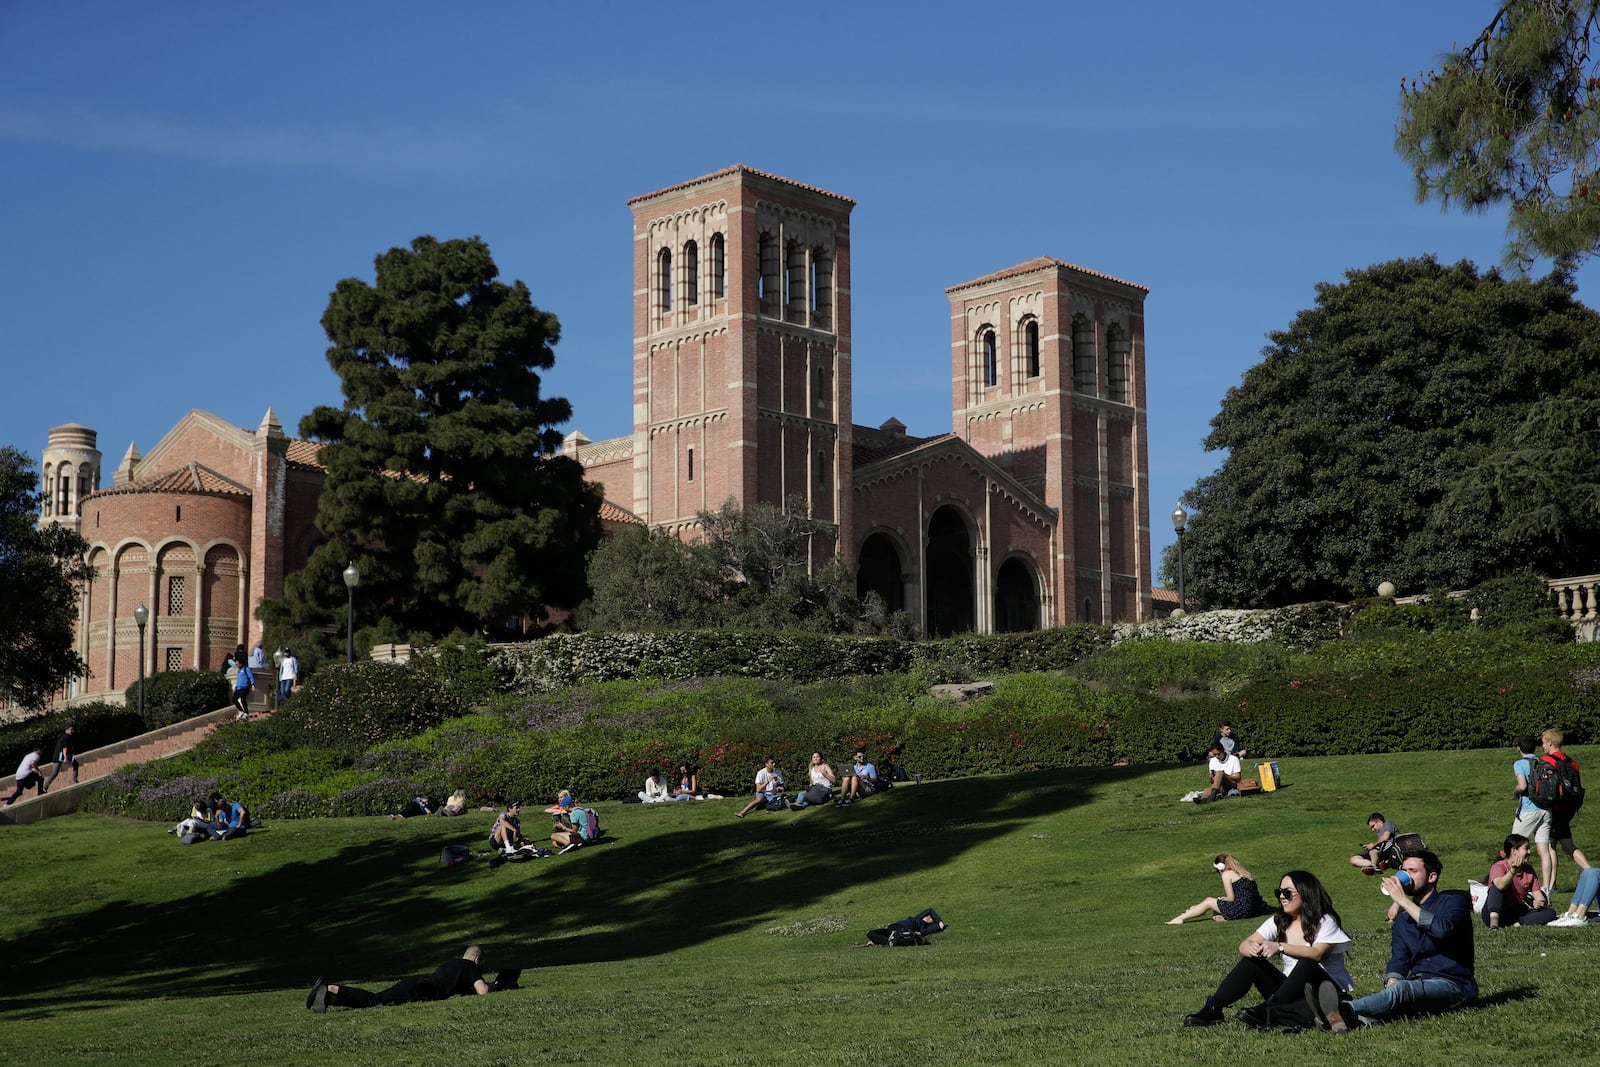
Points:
(1561, 821)
(1532, 821)
(859, 783)
(1370, 858)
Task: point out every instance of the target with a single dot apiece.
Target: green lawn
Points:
(690, 936)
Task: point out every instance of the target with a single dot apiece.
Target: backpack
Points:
(777, 802)
(1553, 784)
(587, 820)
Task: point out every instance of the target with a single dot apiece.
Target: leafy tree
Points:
(41, 570)
(1515, 116)
(750, 570)
(1402, 429)
(441, 485)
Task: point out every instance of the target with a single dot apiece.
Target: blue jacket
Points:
(1438, 944)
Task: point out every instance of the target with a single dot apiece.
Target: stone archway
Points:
(1016, 598)
(950, 593)
(879, 569)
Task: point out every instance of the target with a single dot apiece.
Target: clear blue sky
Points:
(184, 184)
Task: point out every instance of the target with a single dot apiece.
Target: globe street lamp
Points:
(277, 671)
(352, 578)
(141, 615)
(1180, 521)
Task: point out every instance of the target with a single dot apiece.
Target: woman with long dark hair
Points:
(1306, 933)
(1515, 897)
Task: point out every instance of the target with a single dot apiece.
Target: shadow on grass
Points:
(385, 907)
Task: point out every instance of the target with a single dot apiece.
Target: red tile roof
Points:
(1044, 263)
(190, 478)
(739, 168)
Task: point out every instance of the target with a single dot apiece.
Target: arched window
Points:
(991, 358)
(1117, 351)
(1082, 354)
(64, 489)
(691, 274)
(719, 277)
(664, 279)
(1030, 347)
(822, 469)
(794, 280)
(767, 267)
(691, 463)
(821, 288)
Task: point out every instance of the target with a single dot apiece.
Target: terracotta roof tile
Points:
(1044, 263)
(190, 478)
(304, 453)
(610, 512)
(738, 168)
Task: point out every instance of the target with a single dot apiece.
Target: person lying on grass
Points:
(1307, 934)
(1240, 898)
(451, 978)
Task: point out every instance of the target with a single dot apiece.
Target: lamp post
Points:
(1180, 521)
(352, 578)
(141, 615)
(277, 669)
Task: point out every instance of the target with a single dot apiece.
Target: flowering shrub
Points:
(352, 707)
(1301, 626)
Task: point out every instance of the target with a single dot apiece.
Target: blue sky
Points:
(184, 184)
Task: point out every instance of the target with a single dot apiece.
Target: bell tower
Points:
(741, 348)
(69, 471)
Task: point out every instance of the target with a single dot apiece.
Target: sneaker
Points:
(319, 996)
(1567, 920)
(1372, 870)
(1203, 1018)
(1233, 792)
(569, 848)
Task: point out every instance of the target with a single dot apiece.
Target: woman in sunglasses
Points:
(1308, 936)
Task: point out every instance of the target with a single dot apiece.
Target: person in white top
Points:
(288, 675)
(655, 789)
(1307, 934)
(822, 782)
(28, 774)
(769, 786)
(1224, 770)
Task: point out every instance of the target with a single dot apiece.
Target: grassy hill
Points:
(695, 937)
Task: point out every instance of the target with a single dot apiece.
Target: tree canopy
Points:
(442, 486)
(41, 570)
(769, 568)
(1515, 117)
(1422, 424)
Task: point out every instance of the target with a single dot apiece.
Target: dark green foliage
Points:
(1418, 617)
(173, 696)
(769, 568)
(439, 365)
(1367, 445)
(97, 724)
(1515, 117)
(41, 570)
(1514, 599)
(352, 707)
(460, 663)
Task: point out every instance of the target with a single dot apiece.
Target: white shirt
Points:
(654, 789)
(766, 780)
(1328, 933)
(29, 762)
(1227, 765)
(290, 669)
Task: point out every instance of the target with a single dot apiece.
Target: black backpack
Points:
(1553, 784)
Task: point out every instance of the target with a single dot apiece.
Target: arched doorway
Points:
(879, 570)
(1016, 598)
(949, 575)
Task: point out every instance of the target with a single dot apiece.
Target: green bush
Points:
(352, 707)
(1414, 617)
(1509, 601)
(173, 696)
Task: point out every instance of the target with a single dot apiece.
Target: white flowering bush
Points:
(1301, 626)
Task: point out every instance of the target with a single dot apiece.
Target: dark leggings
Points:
(1511, 909)
(402, 992)
(1284, 994)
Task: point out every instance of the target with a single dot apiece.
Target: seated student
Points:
(1577, 913)
(1240, 899)
(1224, 770)
(860, 782)
(506, 836)
(769, 787)
(232, 819)
(688, 787)
(451, 978)
(565, 833)
(201, 821)
(1228, 741)
(456, 804)
(420, 805)
(822, 782)
(655, 789)
(1515, 897)
(1371, 859)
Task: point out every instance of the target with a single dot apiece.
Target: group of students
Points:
(860, 782)
(572, 827)
(214, 819)
(659, 790)
(29, 774)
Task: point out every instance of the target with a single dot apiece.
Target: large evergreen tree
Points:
(1514, 117)
(41, 570)
(441, 482)
(1422, 424)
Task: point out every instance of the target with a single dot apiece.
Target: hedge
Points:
(97, 724)
(173, 696)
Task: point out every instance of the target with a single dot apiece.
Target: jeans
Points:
(284, 686)
(1588, 887)
(1412, 996)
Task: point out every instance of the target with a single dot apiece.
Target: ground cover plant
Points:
(689, 934)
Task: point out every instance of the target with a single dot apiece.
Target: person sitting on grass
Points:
(1431, 962)
(1370, 858)
(1515, 897)
(1306, 933)
(419, 805)
(1228, 741)
(1240, 898)
(232, 818)
(506, 836)
(655, 789)
(1224, 769)
(769, 787)
(451, 978)
(1577, 913)
(860, 782)
(688, 787)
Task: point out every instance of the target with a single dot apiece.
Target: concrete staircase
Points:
(65, 797)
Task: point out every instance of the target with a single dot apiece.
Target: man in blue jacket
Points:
(1430, 960)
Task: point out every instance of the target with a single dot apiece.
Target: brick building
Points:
(1033, 512)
